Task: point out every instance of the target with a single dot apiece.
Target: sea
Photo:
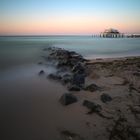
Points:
(21, 49)
(29, 103)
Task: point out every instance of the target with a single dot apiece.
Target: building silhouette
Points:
(111, 33)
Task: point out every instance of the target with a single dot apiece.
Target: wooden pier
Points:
(113, 33)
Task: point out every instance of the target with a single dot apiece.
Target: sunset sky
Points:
(52, 17)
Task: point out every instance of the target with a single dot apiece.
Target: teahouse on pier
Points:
(111, 33)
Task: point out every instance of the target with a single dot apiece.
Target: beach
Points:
(70, 69)
(110, 93)
(107, 104)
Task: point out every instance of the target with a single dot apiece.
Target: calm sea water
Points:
(18, 50)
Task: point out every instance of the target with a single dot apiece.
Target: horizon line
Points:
(42, 35)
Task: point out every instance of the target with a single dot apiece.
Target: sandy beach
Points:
(70, 69)
(63, 96)
(108, 100)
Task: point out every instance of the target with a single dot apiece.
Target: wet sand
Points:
(30, 107)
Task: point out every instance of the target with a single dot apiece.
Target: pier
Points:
(113, 33)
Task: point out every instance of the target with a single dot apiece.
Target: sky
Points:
(54, 17)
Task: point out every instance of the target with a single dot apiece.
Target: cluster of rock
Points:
(70, 68)
(71, 71)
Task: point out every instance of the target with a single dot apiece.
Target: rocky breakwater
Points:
(71, 71)
(70, 68)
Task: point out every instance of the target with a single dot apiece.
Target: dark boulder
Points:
(92, 88)
(79, 68)
(41, 72)
(66, 78)
(78, 79)
(54, 76)
(92, 106)
(66, 62)
(67, 99)
(74, 88)
(105, 98)
(62, 63)
(61, 54)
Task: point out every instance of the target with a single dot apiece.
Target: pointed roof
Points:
(111, 30)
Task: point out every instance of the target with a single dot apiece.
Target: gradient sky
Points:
(26, 17)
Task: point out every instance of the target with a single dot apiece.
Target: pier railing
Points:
(121, 35)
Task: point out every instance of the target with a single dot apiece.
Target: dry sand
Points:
(120, 117)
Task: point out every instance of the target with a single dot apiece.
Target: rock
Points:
(66, 58)
(105, 98)
(79, 68)
(67, 99)
(62, 63)
(92, 106)
(54, 76)
(78, 79)
(41, 72)
(92, 88)
(67, 62)
(74, 88)
(66, 78)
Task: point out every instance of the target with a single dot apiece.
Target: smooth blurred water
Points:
(30, 107)
(18, 50)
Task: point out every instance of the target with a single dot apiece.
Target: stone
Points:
(54, 76)
(92, 87)
(66, 78)
(67, 99)
(78, 79)
(41, 72)
(105, 98)
(62, 63)
(74, 88)
(79, 68)
(92, 106)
